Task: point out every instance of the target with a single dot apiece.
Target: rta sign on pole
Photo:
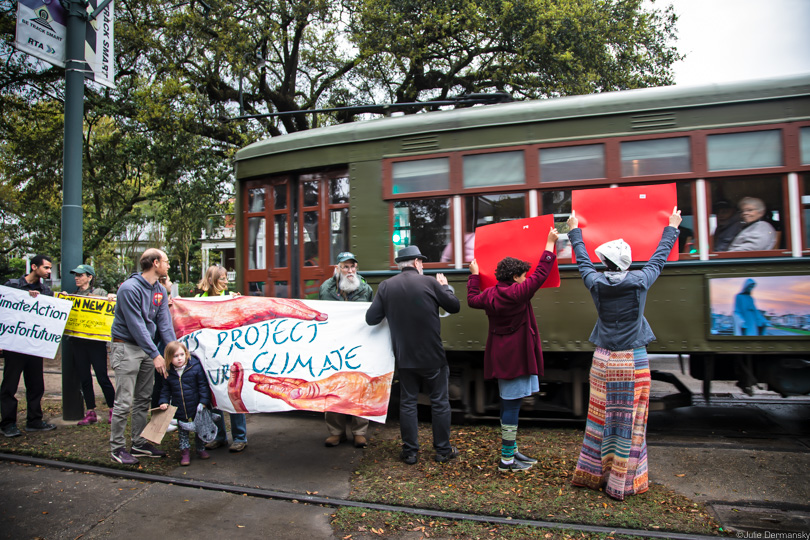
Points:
(42, 32)
(76, 35)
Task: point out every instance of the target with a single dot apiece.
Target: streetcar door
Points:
(322, 227)
(295, 227)
(267, 232)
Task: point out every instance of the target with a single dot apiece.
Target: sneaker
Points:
(525, 459)
(516, 465)
(89, 418)
(213, 445)
(172, 427)
(39, 426)
(444, 458)
(185, 457)
(360, 441)
(334, 440)
(121, 455)
(237, 446)
(409, 458)
(11, 430)
(202, 454)
(147, 450)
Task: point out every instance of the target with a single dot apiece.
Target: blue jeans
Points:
(238, 427)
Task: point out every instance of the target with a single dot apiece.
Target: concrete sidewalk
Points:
(285, 453)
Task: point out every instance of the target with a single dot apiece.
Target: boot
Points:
(89, 418)
(185, 457)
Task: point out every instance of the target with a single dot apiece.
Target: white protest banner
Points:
(31, 325)
(276, 354)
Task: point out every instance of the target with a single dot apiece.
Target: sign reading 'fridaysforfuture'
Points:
(31, 325)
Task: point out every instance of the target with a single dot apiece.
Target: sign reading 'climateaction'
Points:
(31, 325)
(276, 354)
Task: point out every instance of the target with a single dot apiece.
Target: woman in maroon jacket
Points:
(513, 354)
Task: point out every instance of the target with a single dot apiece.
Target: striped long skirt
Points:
(614, 452)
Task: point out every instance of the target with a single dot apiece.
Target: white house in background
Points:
(221, 239)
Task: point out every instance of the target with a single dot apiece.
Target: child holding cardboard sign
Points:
(186, 388)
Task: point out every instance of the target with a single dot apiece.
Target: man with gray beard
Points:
(346, 286)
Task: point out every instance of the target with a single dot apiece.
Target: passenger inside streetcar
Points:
(756, 233)
(728, 224)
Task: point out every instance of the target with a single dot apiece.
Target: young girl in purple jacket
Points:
(512, 354)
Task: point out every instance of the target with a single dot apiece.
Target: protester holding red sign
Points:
(614, 452)
(513, 355)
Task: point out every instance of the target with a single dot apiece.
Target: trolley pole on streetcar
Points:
(72, 215)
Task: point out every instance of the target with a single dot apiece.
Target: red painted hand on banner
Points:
(191, 315)
(235, 387)
(347, 392)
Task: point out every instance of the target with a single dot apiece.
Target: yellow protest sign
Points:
(90, 318)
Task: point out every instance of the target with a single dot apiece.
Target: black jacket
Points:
(410, 302)
(25, 286)
(186, 391)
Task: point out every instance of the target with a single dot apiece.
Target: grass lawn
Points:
(472, 484)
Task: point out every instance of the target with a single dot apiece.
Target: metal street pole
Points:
(72, 233)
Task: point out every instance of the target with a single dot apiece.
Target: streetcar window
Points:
(339, 232)
(484, 210)
(495, 169)
(425, 223)
(421, 175)
(805, 145)
(687, 243)
(806, 209)
(310, 193)
(656, 156)
(256, 200)
(256, 288)
(572, 163)
(281, 196)
(751, 150)
(558, 203)
(739, 203)
(280, 241)
(339, 190)
(256, 242)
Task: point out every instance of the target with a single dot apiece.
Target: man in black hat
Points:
(411, 301)
(346, 286)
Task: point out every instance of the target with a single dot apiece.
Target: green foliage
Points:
(157, 148)
(11, 268)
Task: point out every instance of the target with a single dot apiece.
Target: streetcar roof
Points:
(624, 101)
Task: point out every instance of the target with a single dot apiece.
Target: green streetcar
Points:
(431, 179)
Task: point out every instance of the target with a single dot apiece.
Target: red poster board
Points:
(523, 239)
(637, 214)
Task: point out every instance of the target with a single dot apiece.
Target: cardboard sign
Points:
(157, 426)
(637, 214)
(523, 239)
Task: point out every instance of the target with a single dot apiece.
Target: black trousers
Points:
(30, 367)
(89, 353)
(435, 382)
